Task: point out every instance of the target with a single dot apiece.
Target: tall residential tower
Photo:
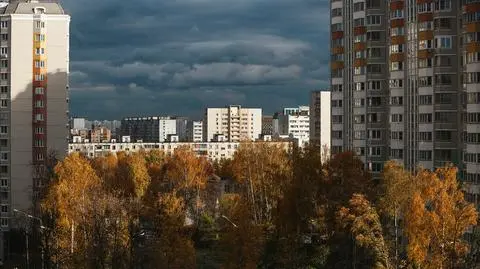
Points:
(397, 89)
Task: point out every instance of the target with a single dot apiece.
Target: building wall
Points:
(166, 127)
(211, 150)
(234, 122)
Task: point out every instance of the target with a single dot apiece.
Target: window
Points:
(396, 100)
(3, 24)
(472, 117)
(374, 85)
(359, 38)
(337, 27)
(396, 48)
(473, 77)
(473, 57)
(375, 134)
(3, 103)
(40, 51)
(397, 31)
(425, 99)
(360, 151)
(472, 138)
(473, 98)
(38, 130)
(373, 36)
(425, 81)
(425, 118)
(396, 136)
(359, 135)
(398, 13)
(3, 129)
(442, 23)
(358, 119)
(374, 68)
(3, 169)
(443, 5)
(396, 118)
(373, 117)
(359, 86)
(444, 136)
(359, 54)
(40, 24)
(337, 119)
(39, 143)
(425, 26)
(358, 102)
(425, 7)
(444, 42)
(4, 222)
(373, 3)
(39, 103)
(360, 21)
(374, 52)
(359, 70)
(39, 157)
(3, 142)
(396, 153)
(443, 98)
(424, 155)
(374, 101)
(375, 151)
(336, 12)
(425, 63)
(376, 167)
(396, 66)
(445, 117)
(3, 89)
(39, 77)
(396, 83)
(337, 134)
(39, 117)
(358, 7)
(425, 44)
(374, 20)
(39, 90)
(39, 64)
(424, 136)
(442, 60)
(336, 103)
(443, 79)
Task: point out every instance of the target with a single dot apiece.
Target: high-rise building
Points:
(34, 67)
(320, 120)
(233, 122)
(195, 131)
(267, 125)
(396, 81)
(100, 134)
(295, 123)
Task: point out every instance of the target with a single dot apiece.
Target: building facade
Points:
(34, 67)
(397, 89)
(320, 119)
(195, 131)
(100, 134)
(213, 151)
(233, 122)
(295, 123)
(154, 129)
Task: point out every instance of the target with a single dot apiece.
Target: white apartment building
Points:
(233, 122)
(34, 48)
(214, 151)
(295, 123)
(320, 119)
(195, 131)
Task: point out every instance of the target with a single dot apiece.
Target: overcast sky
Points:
(177, 57)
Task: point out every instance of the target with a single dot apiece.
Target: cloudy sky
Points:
(176, 57)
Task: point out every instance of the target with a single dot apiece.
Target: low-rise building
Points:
(211, 150)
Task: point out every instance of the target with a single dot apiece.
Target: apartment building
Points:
(396, 69)
(320, 119)
(195, 131)
(100, 134)
(295, 123)
(34, 49)
(267, 125)
(154, 129)
(213, 151)
(234, 123)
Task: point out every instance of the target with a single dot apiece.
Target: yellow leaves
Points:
(436, 219)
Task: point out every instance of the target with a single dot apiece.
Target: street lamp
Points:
(26, 235)
(231, 222)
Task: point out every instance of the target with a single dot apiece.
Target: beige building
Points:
(234, 123)
(34, 66)
(320, 119)
(100, 134)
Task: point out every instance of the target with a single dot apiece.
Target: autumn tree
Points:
(257, 167)
(436, 219)
(362, 222)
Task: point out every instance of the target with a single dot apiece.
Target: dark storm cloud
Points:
(179, 56)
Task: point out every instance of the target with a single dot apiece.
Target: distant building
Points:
(78, 123)
(210, 150)
(295, 123)
(267, 125)
(100, 134)
(320, 119)
(195, 131)
(234, 122)
(153, 129)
